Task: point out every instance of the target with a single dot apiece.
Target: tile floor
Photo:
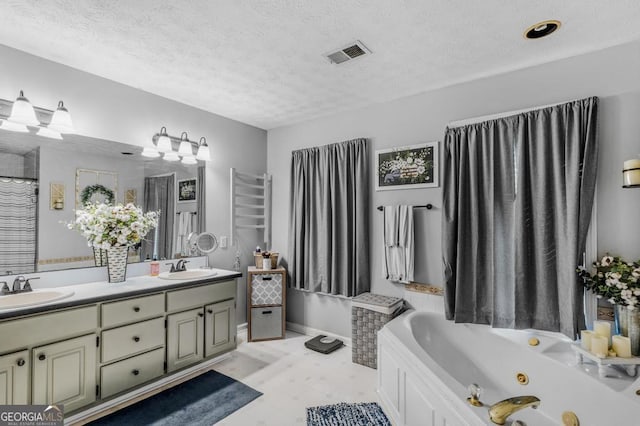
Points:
(291, 378)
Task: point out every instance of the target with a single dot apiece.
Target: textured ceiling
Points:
(260, 61)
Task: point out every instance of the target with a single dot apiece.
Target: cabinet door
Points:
(184, 338)
(220, 327)
(14, 378)
(65, 373)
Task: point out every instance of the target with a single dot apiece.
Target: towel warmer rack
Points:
(250, 204)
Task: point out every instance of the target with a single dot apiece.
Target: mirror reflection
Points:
(42, 182)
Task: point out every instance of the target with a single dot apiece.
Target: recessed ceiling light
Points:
(542, 29)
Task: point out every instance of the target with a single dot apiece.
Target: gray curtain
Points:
(159, 194)
(517, 198)
(329, 219)
(201, 208)
(18, 222)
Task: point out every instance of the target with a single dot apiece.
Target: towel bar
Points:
(426, 206)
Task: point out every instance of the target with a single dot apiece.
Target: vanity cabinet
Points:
(14, 378)
(219, 327)
(185, 339)
(65, 372)
(83, 355)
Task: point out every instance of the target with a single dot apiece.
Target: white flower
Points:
(612, 301)
(607, 260)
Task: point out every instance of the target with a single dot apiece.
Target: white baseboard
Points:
(242, 327)
(309, 331)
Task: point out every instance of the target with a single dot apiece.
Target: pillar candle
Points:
(585, 339)
(599, 346)
(603, 328)
(622, 346)
(631, 174)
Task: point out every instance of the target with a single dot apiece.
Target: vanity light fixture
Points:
(203, 150)
(22, 112)
(150, 152)
(61, 120)
(171, 156)
(14, 127)
(185, 149)
(164, 142)
(189, 160)
(49, 133)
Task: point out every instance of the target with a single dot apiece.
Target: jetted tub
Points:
(426, 364)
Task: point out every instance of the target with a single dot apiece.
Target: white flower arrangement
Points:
(616, 280)
(106, 226)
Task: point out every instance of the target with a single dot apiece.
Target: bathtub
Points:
(426, 364)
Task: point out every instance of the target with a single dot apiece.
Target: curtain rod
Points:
(474, 120)
(187, 212)
(426, 206)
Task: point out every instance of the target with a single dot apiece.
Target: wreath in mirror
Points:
(91, 190)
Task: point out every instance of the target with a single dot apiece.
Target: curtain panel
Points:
(517, 199)
(201, 201)
(18, 211)
(159, 195)
(329, 219)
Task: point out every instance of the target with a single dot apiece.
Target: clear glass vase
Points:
(633, 318)
(622, 320)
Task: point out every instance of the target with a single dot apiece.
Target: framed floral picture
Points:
(407, 167)
(186, 190)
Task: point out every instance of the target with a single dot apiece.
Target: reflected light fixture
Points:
(203, 150)
(22, 112)
(164, 142)
(61, 120)
(14, 127)
(49, 133)
(150, 151)
(171, 156)
(189, 160)
(185, 149)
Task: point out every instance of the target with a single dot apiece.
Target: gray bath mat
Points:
(343, 414)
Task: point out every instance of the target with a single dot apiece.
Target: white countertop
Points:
(93, 292)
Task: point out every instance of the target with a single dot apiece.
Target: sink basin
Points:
(31, 298)
(188, 275)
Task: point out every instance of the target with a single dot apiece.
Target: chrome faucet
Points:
(20, 285)
(500, 411)
(181, 265)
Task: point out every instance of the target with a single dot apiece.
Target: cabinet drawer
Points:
(45, 328)
(125, 374)
(266, 289)
(132, 339)
(131, 310)
(198, 296)
(266, 323)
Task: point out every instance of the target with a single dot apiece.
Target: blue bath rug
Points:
(201, 401)
(343, 414)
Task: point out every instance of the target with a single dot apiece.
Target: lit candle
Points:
(622, 346)
(603, 328)
(599, 346)
(585, 339)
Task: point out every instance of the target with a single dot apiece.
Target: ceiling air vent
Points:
(347, 53)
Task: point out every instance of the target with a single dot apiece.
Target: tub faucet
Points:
(500, 411)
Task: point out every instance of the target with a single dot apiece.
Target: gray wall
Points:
(107, 110)
(611, 74)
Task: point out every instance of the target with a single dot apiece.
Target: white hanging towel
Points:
(398, 243)
(184, 229)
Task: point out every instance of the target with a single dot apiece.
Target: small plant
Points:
(614, 279)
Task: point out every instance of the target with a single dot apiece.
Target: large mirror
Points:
(42, 182)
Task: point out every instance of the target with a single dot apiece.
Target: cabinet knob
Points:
(136, 339)
(42, 357)
(136, 309)
(210, 311)
(135, 372)
(20, 362)
(200, 314)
